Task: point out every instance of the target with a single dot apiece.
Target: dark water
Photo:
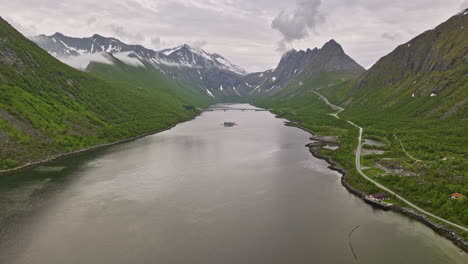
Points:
(203, 193)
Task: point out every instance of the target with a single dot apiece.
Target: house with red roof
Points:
(456, 196)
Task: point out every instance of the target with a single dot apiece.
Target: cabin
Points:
(229, 124)
(380, 196)
(456, 196)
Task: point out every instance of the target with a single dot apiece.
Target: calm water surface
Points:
(203, 193)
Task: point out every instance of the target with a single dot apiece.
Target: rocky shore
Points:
(438, 228)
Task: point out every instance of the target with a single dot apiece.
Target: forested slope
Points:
(48, 108)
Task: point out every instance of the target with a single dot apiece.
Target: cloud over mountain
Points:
(296, 23)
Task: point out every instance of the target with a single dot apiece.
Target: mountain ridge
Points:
(426, 76)
(48, 108)
(297, 66)
(210, 72)
(184, 64)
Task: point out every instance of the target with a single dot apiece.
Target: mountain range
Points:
(424, 77)
(48, 108)
(414, 100)
(185, 64)
(212, 73)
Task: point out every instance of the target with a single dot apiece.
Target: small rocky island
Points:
(229, 124)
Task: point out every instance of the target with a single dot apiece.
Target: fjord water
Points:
(203, 193)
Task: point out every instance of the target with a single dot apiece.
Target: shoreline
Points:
(64, 155)
(436, 227)
(440, 229)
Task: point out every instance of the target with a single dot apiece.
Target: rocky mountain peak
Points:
(289, 54)
(332, 46)
(97, 36)
(57, 35)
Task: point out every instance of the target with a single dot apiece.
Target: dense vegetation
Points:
(48, 108)
(441, 149)
(413, 99)
(416, 97)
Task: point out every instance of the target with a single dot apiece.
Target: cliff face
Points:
(299, 67)
(425, 77)
(441, 49)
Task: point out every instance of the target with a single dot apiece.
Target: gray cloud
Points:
(391, 36)
(91, 20)
(156, 43)
(295, 24)
(244, 31)
(198, 43)
(120, 31)
(464, 5)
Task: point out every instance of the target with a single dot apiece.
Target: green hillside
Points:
(48, 108)
(392, 101)
(425, 77)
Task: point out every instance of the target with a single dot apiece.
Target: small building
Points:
(456, 196)
(380, 196)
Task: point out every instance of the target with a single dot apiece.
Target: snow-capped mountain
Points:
(213, 73)
(60, 45)
(297, 66)
(188, 56)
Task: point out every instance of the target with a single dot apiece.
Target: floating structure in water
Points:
(229, 124)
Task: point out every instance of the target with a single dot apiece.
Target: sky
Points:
(250, 33)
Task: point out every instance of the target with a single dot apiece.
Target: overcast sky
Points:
(250, 33)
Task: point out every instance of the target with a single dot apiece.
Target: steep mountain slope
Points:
(414, 101)
(425, 77)
(48, 108)
(211, 73)
(298, 67)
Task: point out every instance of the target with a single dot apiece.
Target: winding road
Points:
(358, 167)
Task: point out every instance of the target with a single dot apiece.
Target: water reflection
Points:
(204, 193)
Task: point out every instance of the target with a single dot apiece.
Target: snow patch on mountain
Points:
(256, 88)
(158, 60)
(74, 49)
(235, 90)
(209, 93)
(228, 65)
